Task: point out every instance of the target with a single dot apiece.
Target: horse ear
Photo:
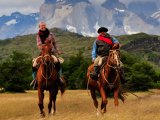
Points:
(115, 46)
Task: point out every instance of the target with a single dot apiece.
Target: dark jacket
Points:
(104, 44)
(102, 48)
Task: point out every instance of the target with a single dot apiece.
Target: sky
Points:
(24, 6)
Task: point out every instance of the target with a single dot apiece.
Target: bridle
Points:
(46, 61)
(114, 55)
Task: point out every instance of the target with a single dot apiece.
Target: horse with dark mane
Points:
(47, 77)
(108, 80)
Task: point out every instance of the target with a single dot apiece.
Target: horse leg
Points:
(116, 97)
(40, 104)
(103, 107)
(104, 99)
(50, 102)
(54, 100)
(93, 95)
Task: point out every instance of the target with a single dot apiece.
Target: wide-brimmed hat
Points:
(102, 29)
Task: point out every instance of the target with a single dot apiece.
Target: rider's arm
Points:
(114, 40)
(55, 46)
(94, 53)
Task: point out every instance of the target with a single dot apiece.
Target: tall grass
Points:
(78, 105)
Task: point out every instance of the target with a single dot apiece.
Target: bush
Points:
(75, 70)
(15, 72)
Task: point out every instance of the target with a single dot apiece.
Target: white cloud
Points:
(24, 6)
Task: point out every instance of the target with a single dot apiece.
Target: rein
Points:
(46, 77)
(103, 73)
(116, 78)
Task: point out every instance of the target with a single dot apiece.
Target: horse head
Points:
(114, 58)
(46, 53)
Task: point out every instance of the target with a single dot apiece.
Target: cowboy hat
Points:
(102, 29)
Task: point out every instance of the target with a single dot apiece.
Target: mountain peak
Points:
(86, 16)
(73, 2)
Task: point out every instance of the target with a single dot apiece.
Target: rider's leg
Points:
(94, 74)
(34, 81)
(34, 73)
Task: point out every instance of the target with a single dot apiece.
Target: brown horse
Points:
(108, 80)
(47, 77)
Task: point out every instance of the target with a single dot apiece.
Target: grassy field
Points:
(77, 105)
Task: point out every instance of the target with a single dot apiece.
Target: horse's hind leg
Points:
(54, 100)
(116, 92)
(40, 104)
(93, 95)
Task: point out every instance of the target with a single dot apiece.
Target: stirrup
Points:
(94, 76)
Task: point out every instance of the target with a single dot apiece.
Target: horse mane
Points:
(115, 46)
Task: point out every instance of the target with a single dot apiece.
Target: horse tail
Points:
(62, 85)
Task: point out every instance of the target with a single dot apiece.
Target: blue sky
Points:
(24, 6)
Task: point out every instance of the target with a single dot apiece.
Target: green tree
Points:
(75, 70)
(142, 77)
(15, 72)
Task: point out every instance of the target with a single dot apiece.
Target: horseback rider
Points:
(101, 47)
(44, 36)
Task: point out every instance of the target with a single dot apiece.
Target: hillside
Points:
(143, 45)
(68, 42)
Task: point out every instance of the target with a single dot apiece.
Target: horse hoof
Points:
(116, 103)
(98, 113)
(103, 111)
(42, 114)
(53, 112)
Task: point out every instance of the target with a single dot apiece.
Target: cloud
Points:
(24, 6)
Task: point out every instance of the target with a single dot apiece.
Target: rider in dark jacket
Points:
(101, 47)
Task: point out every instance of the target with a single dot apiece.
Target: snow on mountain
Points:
(86, 16)
(156, 15)
(71, 28)
(17, 24)
(11, 22)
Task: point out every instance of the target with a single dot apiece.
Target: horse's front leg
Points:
(93, 95)
(104, 99)
(116, 103)
(40, 104)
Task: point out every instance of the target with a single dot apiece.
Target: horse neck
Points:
(48, 71)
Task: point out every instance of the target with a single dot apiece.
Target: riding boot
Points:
(34, 81)
(122, 77)
(94, 74)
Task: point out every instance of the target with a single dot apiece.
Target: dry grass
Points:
(77, 105)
